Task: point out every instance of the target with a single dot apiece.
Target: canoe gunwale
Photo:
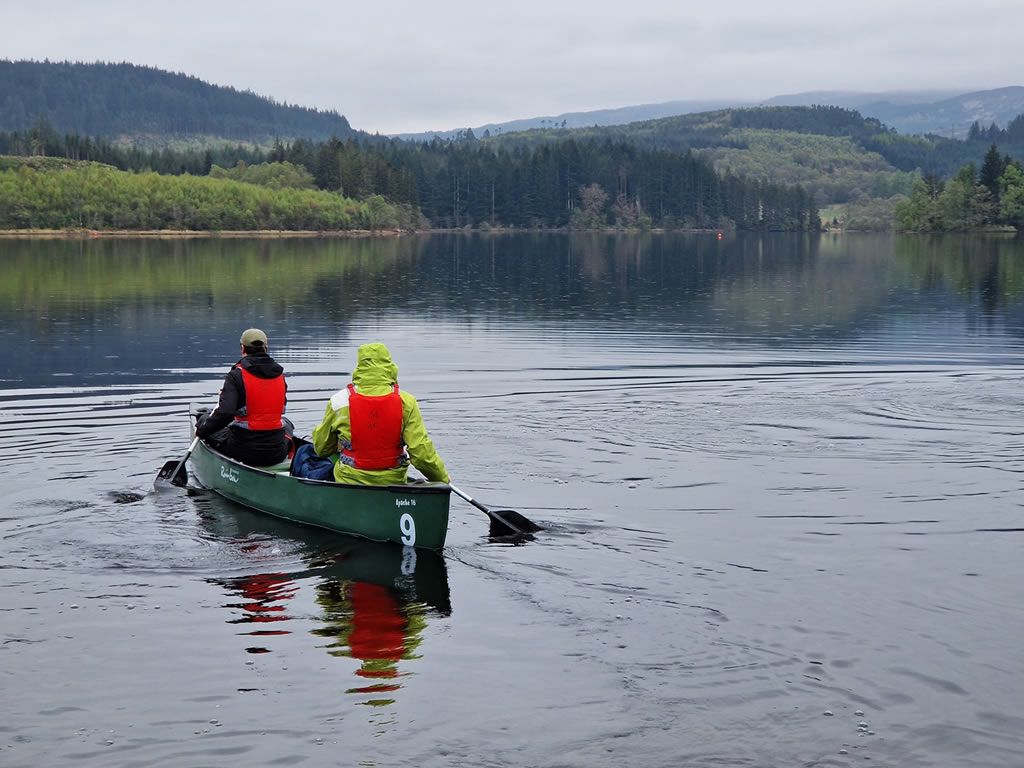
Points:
(428, 487)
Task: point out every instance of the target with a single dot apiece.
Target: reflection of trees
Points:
(679, 279)
(133, 294)
(140, 305)
(620, 256)
(524, 274)
(815, 287)
(44, 274)
(982, 269)
(770, 286)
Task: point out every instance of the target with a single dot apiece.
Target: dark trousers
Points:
(257, 448)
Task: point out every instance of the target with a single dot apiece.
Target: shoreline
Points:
(345, 234)
(182, 234)
(275, 234)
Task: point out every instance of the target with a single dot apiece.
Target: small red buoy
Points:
(719, 235)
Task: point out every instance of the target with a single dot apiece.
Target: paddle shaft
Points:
(470, 499)
(191, 447)
(184, 458)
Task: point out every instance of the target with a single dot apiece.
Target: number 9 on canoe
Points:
(408, 526)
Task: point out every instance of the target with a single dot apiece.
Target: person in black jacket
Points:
(248, 423)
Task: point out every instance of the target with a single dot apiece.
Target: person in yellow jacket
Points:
(376, 428)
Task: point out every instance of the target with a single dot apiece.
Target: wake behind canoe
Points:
(414, 514)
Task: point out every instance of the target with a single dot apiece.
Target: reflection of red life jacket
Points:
(264, 402)
(263, 590)
(378, 627)
(376, 430)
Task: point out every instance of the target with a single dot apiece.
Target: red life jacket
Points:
(376, 430)
(264, 402)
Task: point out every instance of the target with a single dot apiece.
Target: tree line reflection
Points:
(97, 301)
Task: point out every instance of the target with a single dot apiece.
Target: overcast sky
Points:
(409, 66)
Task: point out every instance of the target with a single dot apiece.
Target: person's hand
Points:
(201, 418)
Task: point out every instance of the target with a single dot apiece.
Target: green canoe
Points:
(414, 515)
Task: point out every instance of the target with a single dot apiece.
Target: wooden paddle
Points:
(504, 522)
(173, 474)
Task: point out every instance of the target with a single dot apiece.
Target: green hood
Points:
(374, 367)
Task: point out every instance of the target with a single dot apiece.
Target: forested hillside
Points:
(148, 105)
(591, 184)
(51, 193)
(585, 185)
(771, 139)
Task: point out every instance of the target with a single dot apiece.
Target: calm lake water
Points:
(781, 478)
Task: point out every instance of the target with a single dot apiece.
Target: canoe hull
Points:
(411, 515)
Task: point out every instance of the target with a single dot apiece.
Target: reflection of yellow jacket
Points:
(374, 375)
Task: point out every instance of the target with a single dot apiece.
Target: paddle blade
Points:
(504, 522)
(172, 474)
(508, 522)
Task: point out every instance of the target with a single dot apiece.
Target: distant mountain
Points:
(149, 105)
(857, 99)
(951, 117)
(942, 112)
(598, 117)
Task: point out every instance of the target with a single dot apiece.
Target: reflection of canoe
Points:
(372, 600)
(413, 575)
(414, 515)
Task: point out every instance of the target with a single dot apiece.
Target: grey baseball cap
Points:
(253, 337)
